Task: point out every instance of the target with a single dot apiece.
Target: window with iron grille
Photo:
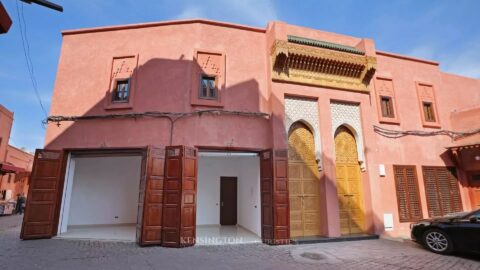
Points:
(428, 112)
(408, 195)
(208, 87)
(387, 107)
(121, 93)
(441, 190)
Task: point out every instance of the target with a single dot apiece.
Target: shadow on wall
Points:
(164, 85)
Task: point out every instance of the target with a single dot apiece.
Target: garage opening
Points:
(100, 198)
(228, 198)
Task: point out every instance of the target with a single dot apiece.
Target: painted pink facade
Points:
(6, 121)
(18, 182)
(15, 164)
(162, 64)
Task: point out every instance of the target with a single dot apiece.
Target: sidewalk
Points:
(62, 254)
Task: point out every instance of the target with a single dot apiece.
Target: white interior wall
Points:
(67, 195)
(247, 171)
(105, 190)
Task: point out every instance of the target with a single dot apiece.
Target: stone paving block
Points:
(62, 254)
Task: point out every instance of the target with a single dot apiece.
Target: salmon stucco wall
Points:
(163, 79)
(17, 183)
(162, 82)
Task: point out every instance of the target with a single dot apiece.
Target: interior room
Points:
(100, 198)
(228, 198)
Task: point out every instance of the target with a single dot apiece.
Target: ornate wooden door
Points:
(41, 212)
(179, 197)
(274, 197)
(303, 183)
(149, 226)
(349, 189)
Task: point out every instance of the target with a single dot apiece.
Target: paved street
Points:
(81, 254)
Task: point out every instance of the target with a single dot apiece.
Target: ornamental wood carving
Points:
(322, 67)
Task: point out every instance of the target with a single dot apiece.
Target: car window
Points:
(476, 214)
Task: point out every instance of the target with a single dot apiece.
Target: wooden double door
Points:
(303, 183)
(349, 189)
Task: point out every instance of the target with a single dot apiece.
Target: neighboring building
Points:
(465, 151)
(6, 121)
(16, 183)
(174, 129)
(15, 164)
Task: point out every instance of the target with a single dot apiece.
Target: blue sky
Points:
(444, 31)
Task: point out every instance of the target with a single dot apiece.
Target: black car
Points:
(455, 232)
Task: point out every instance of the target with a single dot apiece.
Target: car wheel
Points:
(437, 241)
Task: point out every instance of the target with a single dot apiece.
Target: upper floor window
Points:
(208, 79)
(208, 87)
(385, 93)
(428, 112)
(428, 105)
(121, 91)
(387, 107)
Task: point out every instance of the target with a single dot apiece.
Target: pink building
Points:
(6, 121)
(15, 183)
(178, 131)
(15, 164)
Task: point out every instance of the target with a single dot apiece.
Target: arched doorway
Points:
(349, 184)
(303, 183)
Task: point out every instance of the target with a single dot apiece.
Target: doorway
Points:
(303, 183)
(349, 184)
(228, 200)
(100, 198)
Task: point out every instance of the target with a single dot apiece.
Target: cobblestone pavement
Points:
(82, 254)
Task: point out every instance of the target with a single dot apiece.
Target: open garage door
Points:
(40, 216)
(101, 194)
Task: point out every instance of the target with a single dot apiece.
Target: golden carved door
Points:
(349, 189)
(303, 183)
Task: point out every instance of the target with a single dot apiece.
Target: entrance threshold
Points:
(322, 239)
(224, 235)
(113, 232)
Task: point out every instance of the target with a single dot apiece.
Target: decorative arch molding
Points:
(304, 110)
(348, 115)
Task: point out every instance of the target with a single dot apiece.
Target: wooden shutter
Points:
(408, 195)
(179, 202)
(442, 191)
(274, 197)
(41, 212)
(151, 198)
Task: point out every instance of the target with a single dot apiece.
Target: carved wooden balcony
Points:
(321, 63)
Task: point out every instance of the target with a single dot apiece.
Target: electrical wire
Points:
(26, 51)
(455, 135)
(171, 116)
(155, 114)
